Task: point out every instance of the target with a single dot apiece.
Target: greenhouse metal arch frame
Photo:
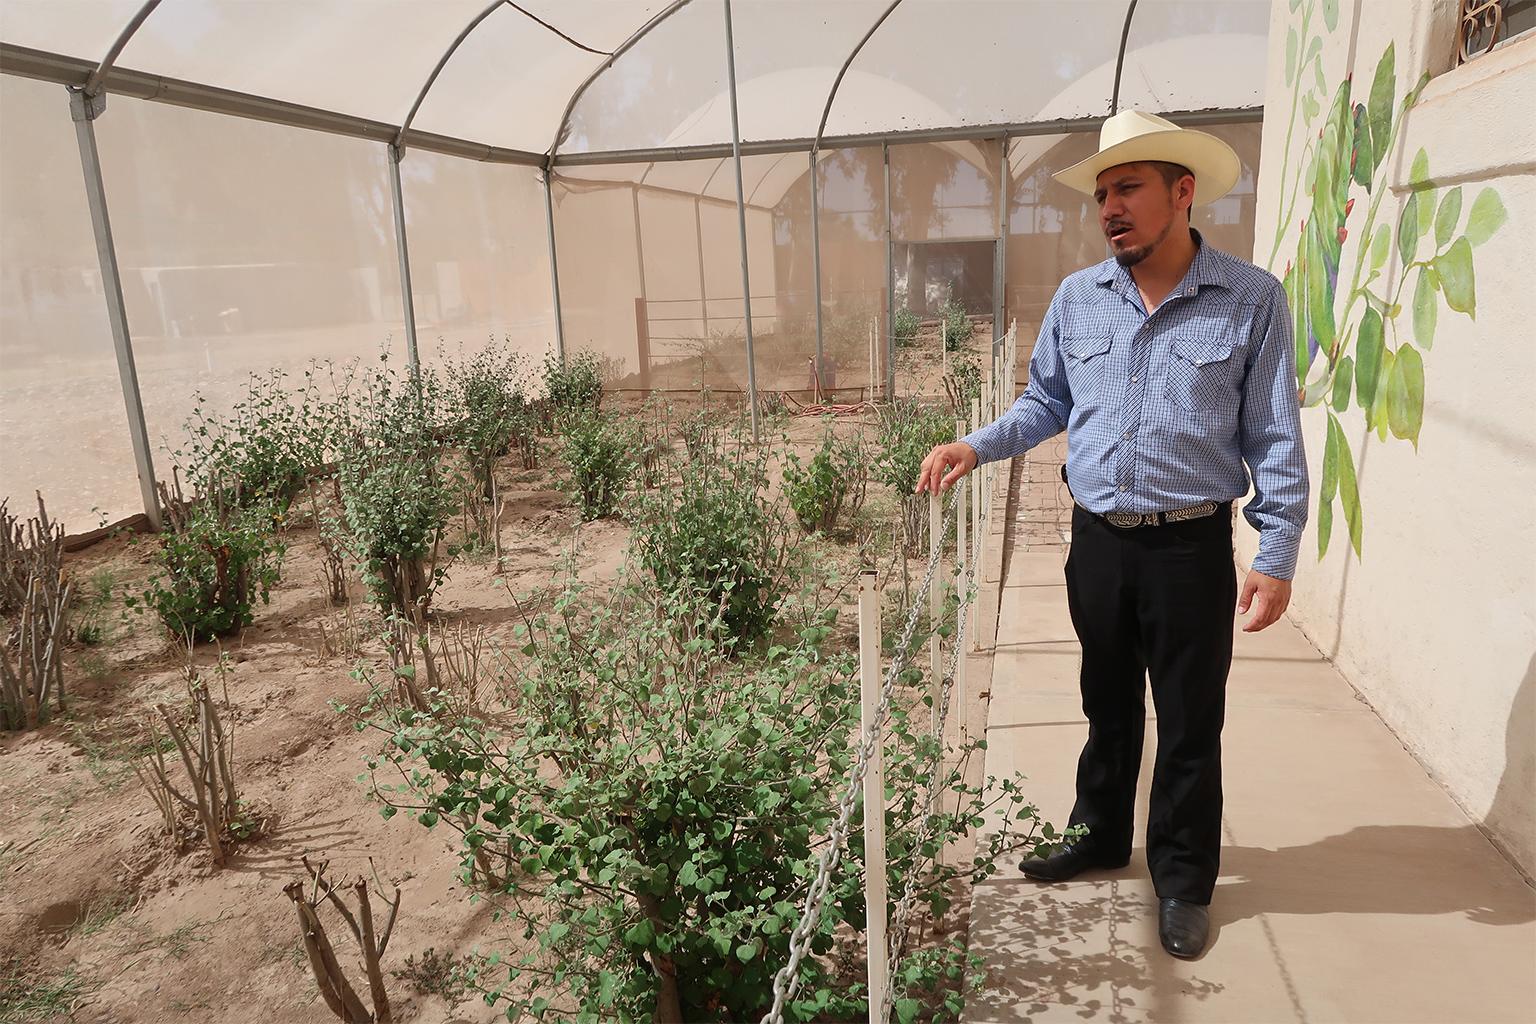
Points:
(90, 82)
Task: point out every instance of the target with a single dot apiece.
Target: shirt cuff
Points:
(1278, 555)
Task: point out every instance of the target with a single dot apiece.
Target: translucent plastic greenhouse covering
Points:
(245, 155)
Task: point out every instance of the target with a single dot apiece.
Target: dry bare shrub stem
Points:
(330, 978)
(35, 594)
(647, 798)
(205, 746)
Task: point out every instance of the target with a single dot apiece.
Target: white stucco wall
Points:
(1435, 622)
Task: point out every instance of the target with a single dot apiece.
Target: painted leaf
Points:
(1341, 381)
(1418, 173)
(1405, 394)
(1382, 88)
(1331, 14)
(1407, 229)
(1293, 294)
(1318, 252)
(1487, 216)
(1295, 4)
(1426, 211)
(1454, 267)
(1330, 487)
(1379, 411)
(1426, 308)
(1362, 161)
(1319, 290)
(1290, 55)
(1314, 49)
(1447, 217)
(1368, 349)
(1317, 70)
(1309, 108)
(1349, 493)
(1381, 245)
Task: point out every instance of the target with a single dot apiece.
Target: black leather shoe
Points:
(1068, 862)
(1183, 927)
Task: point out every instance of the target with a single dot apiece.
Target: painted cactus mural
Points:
(1356, 343)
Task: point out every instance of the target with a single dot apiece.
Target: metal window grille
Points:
(1487, 24)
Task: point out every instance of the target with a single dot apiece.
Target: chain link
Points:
(787, 982)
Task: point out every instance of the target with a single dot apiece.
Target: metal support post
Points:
(402, 250)
(1000, 292)
(890, 282)
(554, 268)
(84, 110)
(741, 218)
(698, 231)
(816, 269)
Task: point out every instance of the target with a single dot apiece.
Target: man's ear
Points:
(1184, 193)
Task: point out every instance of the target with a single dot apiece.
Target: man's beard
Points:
(1132, 255)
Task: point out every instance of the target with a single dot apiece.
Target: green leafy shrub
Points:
(263, 450)
(600, 451)
(217, 557)
(905, 325)
(487, 411)
(571, 387)
(397, 491)
(708, 530)
(818, 491)
(654, 817)
(93, 628)
(908, 432)
(957, 326)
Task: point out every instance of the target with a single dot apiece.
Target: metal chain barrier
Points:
(787, 982)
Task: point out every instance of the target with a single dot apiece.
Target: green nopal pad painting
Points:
(1357, 342)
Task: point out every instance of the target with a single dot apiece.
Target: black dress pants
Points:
(1154, 601)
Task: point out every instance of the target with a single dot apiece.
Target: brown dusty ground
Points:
(93, 900)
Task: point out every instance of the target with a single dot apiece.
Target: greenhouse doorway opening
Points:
(929, 274)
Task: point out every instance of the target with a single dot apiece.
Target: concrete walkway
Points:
(1352, 887)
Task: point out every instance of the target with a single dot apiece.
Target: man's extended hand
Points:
(1273, 597)
(944, 465)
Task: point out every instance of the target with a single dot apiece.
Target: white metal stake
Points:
(976, 529)
(874, 797)
(961, 561)
(935, 609)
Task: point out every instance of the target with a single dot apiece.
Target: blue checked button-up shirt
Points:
(1162, 411)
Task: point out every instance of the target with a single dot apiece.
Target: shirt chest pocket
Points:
(1087, 359)
(1202, 374)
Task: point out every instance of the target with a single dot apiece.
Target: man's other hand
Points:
(944, 465)
(1273, 597)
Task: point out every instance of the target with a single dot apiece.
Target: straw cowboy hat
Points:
(1131, 136)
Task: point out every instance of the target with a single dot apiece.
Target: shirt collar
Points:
(1207, 269)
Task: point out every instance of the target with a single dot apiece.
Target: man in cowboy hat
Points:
(1170, 365)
